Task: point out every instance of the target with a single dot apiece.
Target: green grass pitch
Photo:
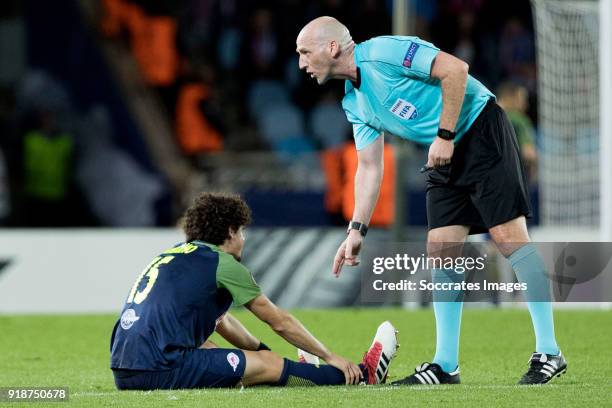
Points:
(495, 346)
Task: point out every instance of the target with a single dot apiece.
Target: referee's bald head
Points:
(324, 29)
(320, 43)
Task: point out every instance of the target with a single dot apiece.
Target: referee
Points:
(475, 179)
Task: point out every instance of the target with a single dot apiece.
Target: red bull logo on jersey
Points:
(410, 54)
(404, 109)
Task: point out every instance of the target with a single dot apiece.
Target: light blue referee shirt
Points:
(395, 93)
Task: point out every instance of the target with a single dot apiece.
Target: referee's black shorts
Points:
(485, 184)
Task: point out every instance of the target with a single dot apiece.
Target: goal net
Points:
(567, 40)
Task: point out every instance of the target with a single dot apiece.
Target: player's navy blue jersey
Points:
(175, 305)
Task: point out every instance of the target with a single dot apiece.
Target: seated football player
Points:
(183, 295)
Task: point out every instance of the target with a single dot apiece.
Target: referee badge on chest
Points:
(404, 109)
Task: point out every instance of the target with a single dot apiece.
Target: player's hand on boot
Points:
(352, 373)
(348, 252)
(440, 152)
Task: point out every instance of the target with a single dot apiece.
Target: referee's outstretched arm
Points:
(368, 178)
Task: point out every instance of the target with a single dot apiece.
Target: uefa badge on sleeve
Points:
(410, 54)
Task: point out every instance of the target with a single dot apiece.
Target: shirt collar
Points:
(203, 243)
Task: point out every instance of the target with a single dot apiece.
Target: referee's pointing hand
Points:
(348, 252)
(440, 152)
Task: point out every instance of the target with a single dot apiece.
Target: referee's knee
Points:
(446, 240)
(510, 235)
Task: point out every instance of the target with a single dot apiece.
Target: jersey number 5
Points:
(151, 271)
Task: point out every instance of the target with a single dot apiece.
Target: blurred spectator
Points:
(426, 11)
(198, 120)
(152, 30)
(517, 53)
(119, 191)
(39, 93)
(263, 50)
(112, 16)
(384, 212)
(228, 49)
(156, 50)
(340, 165)
(513, 99)
(229, 34)
(47, 153)
(465, 48)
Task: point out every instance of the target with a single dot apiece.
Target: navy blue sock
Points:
(301, 374)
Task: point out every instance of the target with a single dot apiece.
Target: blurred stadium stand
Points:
(167, 98)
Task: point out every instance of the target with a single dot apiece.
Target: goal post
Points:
(605, 98)
(574, 50)
(573, 47)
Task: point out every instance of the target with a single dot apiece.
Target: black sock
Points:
(300, 374)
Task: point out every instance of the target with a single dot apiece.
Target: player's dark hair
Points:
(212, 215)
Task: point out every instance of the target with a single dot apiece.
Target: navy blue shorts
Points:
(201, 368)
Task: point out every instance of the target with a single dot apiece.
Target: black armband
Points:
(262, 346)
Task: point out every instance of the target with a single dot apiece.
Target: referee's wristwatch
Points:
(355, 225)
(446, 134)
